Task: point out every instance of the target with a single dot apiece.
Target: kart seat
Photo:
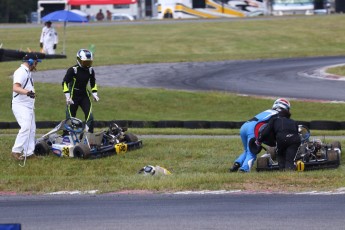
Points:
(94, 138)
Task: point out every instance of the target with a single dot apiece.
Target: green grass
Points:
(339, 70)
(161, 104)
(195, 163)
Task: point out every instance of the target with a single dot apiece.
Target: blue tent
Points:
(64, 16)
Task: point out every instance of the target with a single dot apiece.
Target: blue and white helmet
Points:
(281, 104)
(84, 58)
(148, 170)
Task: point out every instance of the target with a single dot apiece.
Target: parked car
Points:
(122, 17)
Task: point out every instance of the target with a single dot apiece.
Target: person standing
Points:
(74, 87)
(109, 15)
(249, 131)
(100, 15)
(23, 104)
(49, 38)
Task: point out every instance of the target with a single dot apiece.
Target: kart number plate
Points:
(120, 148)
(300, 166)
(65, 151)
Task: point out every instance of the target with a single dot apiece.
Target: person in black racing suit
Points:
(285, 133)
(75, 87)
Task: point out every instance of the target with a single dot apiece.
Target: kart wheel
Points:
(41, 149)
(333, 155)
(130, 137)
(272, 152)
(262, 163)
(81, 151)
(336, 144)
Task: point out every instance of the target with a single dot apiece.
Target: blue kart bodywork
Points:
(78, 143)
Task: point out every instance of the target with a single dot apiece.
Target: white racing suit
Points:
(49, 38)
(23, 110)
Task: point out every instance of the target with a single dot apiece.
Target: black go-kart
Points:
(82, 144)
(311, 155)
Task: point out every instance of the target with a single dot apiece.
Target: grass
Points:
(161, 104)
(195, 163)
(339, 70)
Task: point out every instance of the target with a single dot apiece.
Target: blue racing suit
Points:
(247, 131)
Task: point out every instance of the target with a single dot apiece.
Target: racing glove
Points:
(258, 143)
(54, 47)
(41, 45)
(30, 94)
(95, 96)
(69, 100)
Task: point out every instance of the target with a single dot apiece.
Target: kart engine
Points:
(115, 134)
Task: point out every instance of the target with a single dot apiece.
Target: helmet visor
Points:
(86, 63)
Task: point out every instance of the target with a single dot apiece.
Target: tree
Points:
(16, 11)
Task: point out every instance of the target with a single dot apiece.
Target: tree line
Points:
(17, 11)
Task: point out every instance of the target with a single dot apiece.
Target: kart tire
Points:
(262, 163)
(41, 149)
(130, 137)
(333, 155)
(336, 144)
(272, 152)
(81, 151)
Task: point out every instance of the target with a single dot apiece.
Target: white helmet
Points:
(84, 58)
(148, 170)
(281, 103)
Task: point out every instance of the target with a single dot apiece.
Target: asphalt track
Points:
(175, 211)
(300, 78)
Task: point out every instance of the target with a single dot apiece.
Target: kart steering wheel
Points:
(304, 132)
(74, 125)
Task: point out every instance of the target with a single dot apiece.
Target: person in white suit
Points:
(49, 38)
(23, 103)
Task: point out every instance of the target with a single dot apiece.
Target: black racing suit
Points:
(75, 82)
(285, 131)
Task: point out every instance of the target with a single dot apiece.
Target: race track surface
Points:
(174, 212)
(300, 78)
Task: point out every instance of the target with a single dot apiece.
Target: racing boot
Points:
(235, 167)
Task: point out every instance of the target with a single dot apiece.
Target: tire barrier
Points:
(226, 124)
(170, 124)
(342, 125)
(54, 56)
(196, 124)
(15, 55)
(313, 125)
(325, 125)
(305, 123)
(1, 54)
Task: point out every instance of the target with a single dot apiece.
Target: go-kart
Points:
(312, 154)
(79, 143)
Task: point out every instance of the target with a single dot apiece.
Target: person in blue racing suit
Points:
(250, 129)
(286, 138)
